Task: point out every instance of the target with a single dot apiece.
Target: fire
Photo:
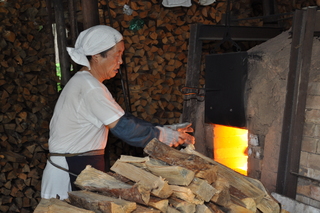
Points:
(230, 147)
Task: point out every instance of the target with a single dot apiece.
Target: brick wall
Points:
(308, 189)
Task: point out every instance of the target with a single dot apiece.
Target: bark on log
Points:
(100, 203)
(54, 205)
(160, 204)
(175, 175)
(186, 194)
(161, 151)
(222, 197)
(143, 209)
(250, 187)
(95, 180)
(157, 185)
(182, 205)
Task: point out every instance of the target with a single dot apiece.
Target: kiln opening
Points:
(230, 147)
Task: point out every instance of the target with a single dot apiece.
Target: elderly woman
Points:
(86, 111)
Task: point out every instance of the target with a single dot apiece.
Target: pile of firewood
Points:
(168, 180)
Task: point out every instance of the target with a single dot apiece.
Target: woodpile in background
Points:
(28, 92)
(168, 181)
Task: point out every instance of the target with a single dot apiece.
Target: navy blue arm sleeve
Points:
(134, 131)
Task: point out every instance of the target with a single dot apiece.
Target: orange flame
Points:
(230, 147)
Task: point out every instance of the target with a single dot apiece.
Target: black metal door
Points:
(225, 77)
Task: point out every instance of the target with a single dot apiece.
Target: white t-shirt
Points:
(83, 109)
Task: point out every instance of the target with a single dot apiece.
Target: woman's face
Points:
(107, 67)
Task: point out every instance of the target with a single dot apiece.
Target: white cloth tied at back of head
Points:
(92, 41)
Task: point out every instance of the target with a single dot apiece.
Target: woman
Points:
(86, 111)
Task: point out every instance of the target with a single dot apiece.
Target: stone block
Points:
(314, 160)
(313, 102)
(315, 192)
(304, 159)
(309, 144)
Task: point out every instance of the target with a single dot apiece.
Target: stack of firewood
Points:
(28, 93)
(168, 180)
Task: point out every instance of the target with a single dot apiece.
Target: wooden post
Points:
(294, 112)
(74, 32)
(73, 22)
(90, 13)
(193, 73)
(62, 42)
(193, 110)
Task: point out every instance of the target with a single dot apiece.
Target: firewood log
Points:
(182, 206)
(172, 210)
(175, 175)
(203, 209)
(100, 203)
(54, 205)
(250, 187)
(185, 194)
(233, 208)
(202, 189)
(160, 204)
(13, 157)
(143, 209)
(94, 180)
(214, 208)
(157, 185)
(222, 196)
(250, 204)
(161, 151)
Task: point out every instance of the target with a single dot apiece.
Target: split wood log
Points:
(172, 210)
(157, 185)
(160, 204)
(222, 197)
(92, 179)
(250, 204)
(143, 209)
(203, 209)
(161, 151)
(54, 205)
(13, 157)
(214, 208)
(185, 193)
(252, 188)
(182, 205)
(202, 189)
(100, 203)
(175, 175)
(234, 208)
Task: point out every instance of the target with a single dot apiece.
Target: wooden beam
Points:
(193, 110)
(238, 33)
(193, 74)
(294, 112)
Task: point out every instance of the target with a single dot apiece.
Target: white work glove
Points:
(176, 134)
(182, 127)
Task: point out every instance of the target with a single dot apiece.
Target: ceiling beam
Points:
(238, 33)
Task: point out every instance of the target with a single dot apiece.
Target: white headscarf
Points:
(92, 41)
